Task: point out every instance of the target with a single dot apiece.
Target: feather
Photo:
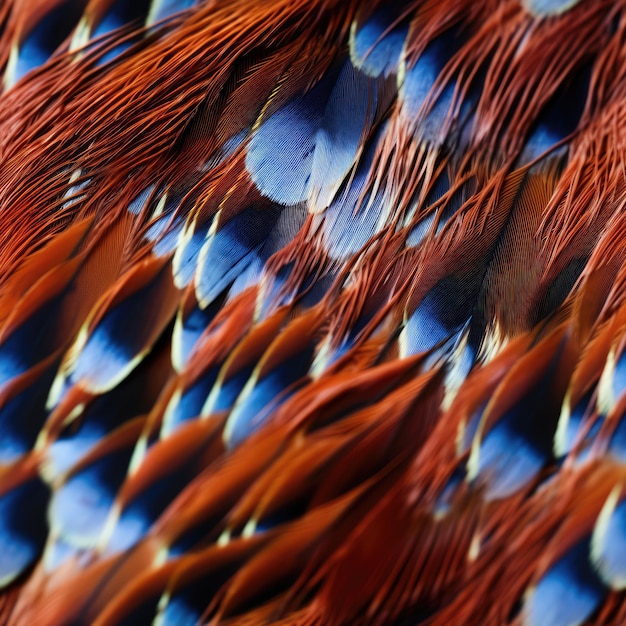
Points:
(312, 312)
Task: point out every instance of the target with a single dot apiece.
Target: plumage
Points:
(312, 312)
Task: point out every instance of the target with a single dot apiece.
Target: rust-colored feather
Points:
(312, 312)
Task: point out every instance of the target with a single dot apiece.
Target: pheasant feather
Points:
(312, 312)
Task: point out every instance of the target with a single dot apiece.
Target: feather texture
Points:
(312, 312)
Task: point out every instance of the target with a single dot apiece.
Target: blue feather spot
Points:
(418, 85)
(49, 33)
(290, 221)
(540, 141)
(508, 461)
(575, 425)
(118, 338)
(23, 528)
(121, 13)
(307, 147)
(568, 594)
(442, 314)
(139, 515)
(80, 507)
(280, 154)
(180, 613)
(188, 258)
(230, 389)
(559, 118)
(470, 430)
(421, 230)
(418, 92)
(233, 248)
(98, 420)
(617, 444)
(315, 289)
(268, 393)
(130, 528)
(352, 217)
(22, 416)
(193, 326)
(549, 7)
(30, 342)
(107, 352)
(619, 376)
(378, 43)
(188, 604)
(192, 400)
(65, 452)
(139, 201)
(249, 277)
(518, 446)
(100, 417)
(425, 329)
(165, 234)
(247, 417)
(348, 117)
(610, 548)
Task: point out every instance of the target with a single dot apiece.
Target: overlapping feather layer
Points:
(313, 312)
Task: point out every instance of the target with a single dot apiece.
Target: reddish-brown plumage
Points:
(312, 312)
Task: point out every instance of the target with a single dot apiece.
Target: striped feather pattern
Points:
(312, 312)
